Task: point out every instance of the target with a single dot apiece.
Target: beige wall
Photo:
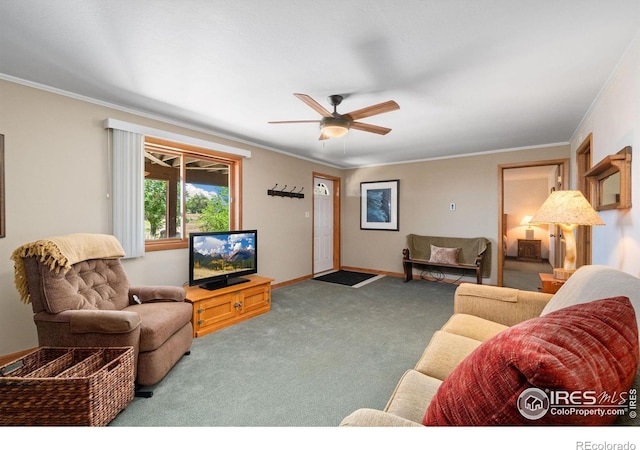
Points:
(285, 224)
(426, 190)
(57, 182)
(614, 121)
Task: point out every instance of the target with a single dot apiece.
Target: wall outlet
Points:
(452, 206)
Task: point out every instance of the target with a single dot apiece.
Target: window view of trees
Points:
(208, 212)
(155, 207)
(203, 212)
(205, 191)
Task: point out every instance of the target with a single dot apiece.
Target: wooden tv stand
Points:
(220, 308)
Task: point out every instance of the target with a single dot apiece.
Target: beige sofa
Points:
(482, 312)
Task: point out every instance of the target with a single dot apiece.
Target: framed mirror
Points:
(610, 181)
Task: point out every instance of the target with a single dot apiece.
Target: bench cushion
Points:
(444, 255)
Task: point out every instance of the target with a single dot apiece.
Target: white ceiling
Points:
(469, 75)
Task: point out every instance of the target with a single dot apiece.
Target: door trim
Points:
(584, 234)
(336, 218)
(564, 163)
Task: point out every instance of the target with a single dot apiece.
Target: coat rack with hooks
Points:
(284, 193)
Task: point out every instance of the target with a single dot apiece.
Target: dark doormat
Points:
(348, 278)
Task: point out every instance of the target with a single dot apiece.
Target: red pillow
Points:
(571, 356)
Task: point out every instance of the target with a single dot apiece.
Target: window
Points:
(187, 189)
(321, 189)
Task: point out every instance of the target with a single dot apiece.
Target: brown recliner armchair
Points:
(82, 300)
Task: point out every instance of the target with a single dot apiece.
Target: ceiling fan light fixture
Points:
(333, 127)
(333, 131)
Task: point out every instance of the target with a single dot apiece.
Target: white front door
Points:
(322, 225)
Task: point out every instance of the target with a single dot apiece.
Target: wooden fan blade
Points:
(295, 121)
(373, 110)
(370, 128)
(314, 105)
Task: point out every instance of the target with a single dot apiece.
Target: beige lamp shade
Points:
(568, 210)
(566, 207)
(526, 220)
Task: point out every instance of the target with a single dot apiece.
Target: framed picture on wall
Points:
(379, 205)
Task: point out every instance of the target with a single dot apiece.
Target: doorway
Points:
(523, 187)
(326, 223)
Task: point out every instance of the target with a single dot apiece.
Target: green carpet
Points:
(322, 352)
(524, 274)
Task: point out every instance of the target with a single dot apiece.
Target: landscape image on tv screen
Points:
(223, 254)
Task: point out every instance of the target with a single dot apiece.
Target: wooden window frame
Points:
(235, 187)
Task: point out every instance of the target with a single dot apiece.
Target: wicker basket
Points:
(67, 386)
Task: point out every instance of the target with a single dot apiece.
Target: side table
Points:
(530, 249)
(550, 285)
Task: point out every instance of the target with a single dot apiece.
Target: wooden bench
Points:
(471, 254)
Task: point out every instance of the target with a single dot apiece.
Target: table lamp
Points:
(526, 221)
(568, 210)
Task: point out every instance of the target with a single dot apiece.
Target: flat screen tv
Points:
(221, 258)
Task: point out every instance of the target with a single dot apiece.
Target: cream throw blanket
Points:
(60, 253)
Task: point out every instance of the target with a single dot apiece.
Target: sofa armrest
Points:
(147, 294)
(499, 304)
(366, 417)
(89, 328)
(93, 321)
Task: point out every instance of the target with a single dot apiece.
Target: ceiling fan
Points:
(333, 124)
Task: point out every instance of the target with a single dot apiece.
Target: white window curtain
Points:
(128, 191)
